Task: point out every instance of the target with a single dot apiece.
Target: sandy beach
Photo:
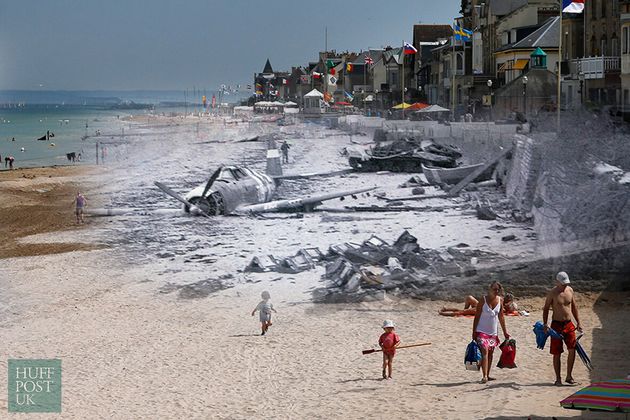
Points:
(151, 316)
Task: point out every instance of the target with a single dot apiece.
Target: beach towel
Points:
(472, 357)
(508, 354)
(541, 337)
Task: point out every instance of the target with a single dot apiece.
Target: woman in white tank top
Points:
(486, 326)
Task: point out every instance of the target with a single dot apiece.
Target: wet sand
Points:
(132, 347)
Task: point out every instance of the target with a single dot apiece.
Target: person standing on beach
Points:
(285, 151)
(486, 329)
(265, 307)
(388, 341)
(562, 300)
(80, 203)
(11, 159)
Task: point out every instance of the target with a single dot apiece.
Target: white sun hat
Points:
(388, 324)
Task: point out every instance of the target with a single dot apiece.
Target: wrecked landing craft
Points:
(234, 190)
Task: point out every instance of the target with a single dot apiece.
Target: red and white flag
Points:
(368, 60)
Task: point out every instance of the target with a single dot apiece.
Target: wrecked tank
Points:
(404, 155)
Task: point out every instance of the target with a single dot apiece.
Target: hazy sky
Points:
(168, 44)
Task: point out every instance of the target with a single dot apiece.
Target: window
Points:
(624, 40)
(603, 45)
(614, 46)
(604, 8)
(460, 62)
(594, 9)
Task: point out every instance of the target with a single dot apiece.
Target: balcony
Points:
(595, 67)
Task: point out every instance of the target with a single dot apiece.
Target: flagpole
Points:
(402, 83)
(365, 64)
(559, 75)
(453, 61)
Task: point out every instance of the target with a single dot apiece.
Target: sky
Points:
(168, 44)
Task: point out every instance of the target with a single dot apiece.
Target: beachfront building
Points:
(270, 85)
(425, 39)
(496, 25)
(624, 6)
(367, 72)
(601, 64)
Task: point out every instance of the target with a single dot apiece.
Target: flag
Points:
(349, 67)
(572, 6)
(462, 34)
(332, 71)
(317, 75)
(305, 79)
(332, 80)
(330, 64)
(284, 81)
(348, 95)
(368, 60)
(409, 49)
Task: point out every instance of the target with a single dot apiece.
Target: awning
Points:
(520, 64)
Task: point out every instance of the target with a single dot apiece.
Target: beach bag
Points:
(508, 354)
(472, 357)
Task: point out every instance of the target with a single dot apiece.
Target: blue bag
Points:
(472, 357)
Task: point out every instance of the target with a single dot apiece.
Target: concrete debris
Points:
(357, 269)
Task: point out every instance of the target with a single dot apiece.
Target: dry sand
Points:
(129, 350)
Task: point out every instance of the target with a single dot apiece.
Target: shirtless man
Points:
(561, 298)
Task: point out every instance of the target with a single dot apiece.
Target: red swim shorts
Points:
(567, 329)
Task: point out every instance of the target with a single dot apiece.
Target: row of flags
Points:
(460, 34)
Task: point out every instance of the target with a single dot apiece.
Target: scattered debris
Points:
(353, 269)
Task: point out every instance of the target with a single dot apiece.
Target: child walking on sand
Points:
(388, 341)
(265, 307)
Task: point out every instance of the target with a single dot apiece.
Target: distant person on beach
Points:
(388, 341)
(485, 329)
(265, 307)
(13, 139)
(562, 300)
(285, 151)
(10, 159)
(80, 203)
(470, 306)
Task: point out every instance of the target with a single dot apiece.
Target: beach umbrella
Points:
(418, 105)
(404, 105)
(433, 108)
(612, 395)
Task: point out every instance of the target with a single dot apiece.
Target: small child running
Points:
(388, 341)
(265, 307)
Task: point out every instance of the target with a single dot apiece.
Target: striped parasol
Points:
(613, 395)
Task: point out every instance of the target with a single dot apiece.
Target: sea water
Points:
(74, 128)
(26, 116)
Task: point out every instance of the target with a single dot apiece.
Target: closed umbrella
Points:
(612, 395)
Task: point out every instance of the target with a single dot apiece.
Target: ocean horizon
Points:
(105, 98)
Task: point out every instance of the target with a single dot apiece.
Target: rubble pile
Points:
(354, 269)
(403, 266)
